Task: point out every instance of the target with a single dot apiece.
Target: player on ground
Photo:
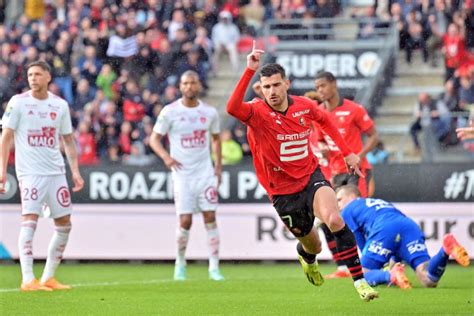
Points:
(278, 133)
(382, 231)
(188, 122)
(35, 120)
(353, 122)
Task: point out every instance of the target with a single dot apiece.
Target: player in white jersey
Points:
(36, 120)
(190, 125)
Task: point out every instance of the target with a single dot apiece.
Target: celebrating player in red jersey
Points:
(352, 121)
(278, 133)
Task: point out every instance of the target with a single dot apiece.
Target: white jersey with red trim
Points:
(38, 125)
(188, 130)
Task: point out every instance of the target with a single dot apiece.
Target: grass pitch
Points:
(249, 289)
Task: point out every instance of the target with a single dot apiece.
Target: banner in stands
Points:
(248, 231)
(396, 183)
(353, 68)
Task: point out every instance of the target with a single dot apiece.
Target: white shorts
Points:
(41, 192)
(195, 195)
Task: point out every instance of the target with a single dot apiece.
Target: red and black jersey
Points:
(280, 141)
(351, 120)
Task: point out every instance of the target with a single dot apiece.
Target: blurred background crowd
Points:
(118, 63)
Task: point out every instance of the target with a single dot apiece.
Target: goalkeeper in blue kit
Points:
(383, 232)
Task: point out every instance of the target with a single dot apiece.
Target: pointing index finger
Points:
(253, 46)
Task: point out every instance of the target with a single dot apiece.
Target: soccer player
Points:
(353, 122)
(278, 133)
(35, 120)
(382, 232)
(190, 124)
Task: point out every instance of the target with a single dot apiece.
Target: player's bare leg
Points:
(308, 247)
(325, 207)
(56, 249)
(182, 238)
(213, 242)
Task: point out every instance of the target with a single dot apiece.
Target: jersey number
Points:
(377, 203)
(294, 150)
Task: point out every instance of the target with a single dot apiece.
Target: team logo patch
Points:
(202, 119)
(63, 196)
(302, 122)
(53, 115)
(211, 195)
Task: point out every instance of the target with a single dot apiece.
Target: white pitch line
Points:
(104, 284)
(118, 283)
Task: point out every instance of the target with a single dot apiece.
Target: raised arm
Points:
(71, 154)
(235, 106)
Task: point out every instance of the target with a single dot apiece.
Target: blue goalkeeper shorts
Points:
(400, 237)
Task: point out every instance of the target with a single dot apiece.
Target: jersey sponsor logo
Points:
(299, 113)
(43, 114)
(53, 115)
(294, 150)
(63, 196)
(211, 195)
(294, 136)
(44, 138)
(343, 113)
(416, 246)
(377, 248)
(196, 140)
(302, 121)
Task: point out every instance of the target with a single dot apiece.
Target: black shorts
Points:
(350, 178)
(296, 210)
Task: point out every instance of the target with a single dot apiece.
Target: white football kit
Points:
(188, 130)
(39, 164)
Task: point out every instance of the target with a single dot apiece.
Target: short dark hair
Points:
(272, 69)
(189, 73)
(325, 75)
(39, 63)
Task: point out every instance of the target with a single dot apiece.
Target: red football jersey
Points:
(352, 120)
(280, 141)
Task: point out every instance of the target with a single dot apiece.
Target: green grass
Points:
(249, 289)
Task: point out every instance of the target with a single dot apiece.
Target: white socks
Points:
(213, 245)
(182, 237)
(55, 251)
(25, 247)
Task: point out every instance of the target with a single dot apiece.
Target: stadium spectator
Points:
(430, 117)
(377, 224)
(105, 80)
(40, 168)
(231, 151)
(416, 36)
(87, 153)
(225, 36)
(253, 14)
(61, 63)
(438, 21)
(291, 177)
(453, 49)
(138, 156)
(449, 97)
(378, 155)
(191, 125)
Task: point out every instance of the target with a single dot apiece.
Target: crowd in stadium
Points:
(117, 63)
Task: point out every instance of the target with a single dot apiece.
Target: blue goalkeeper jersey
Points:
(367, 217)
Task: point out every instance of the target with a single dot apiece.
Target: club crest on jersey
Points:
(302, 121)
(202, 119)
(53, 115)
